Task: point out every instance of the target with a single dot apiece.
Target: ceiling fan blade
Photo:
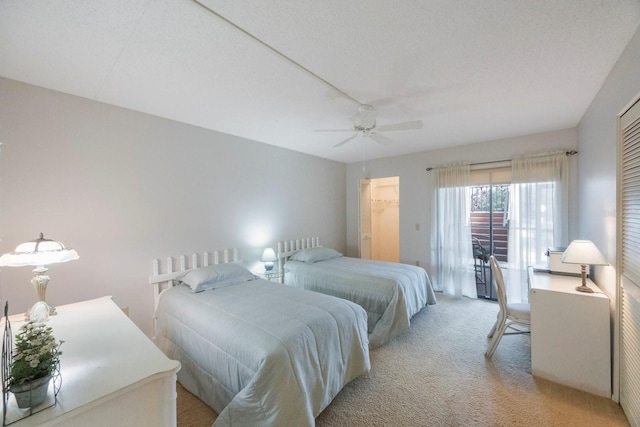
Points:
(334, 130)
(344, 141)
(416, 124)
(380, 138)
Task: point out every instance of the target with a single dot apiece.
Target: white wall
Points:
(416, 187)
(123, 188)
(597, 135)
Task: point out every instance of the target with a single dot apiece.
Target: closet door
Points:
(628, 265)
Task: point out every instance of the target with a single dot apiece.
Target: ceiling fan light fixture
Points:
(367, 118)
(364, 123)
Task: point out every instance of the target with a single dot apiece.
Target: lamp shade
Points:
(38, 252)
(268, 255)
(583, 252)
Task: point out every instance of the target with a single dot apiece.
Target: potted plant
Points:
(35, 357)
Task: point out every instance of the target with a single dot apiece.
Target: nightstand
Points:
(112, 373)
(272, 275)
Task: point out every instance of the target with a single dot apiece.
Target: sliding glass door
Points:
(489, 232)
(514, 212)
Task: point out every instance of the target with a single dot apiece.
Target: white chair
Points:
(510, 314)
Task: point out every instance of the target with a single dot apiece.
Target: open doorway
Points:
(380, 219)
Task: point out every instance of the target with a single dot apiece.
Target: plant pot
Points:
(31, 393)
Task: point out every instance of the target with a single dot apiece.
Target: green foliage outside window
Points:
(480, 198)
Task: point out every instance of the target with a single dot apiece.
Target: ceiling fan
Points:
(365, 123)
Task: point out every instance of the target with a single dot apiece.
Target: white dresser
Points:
(112, 373)
(570, 333)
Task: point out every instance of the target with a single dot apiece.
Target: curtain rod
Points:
(568, 153)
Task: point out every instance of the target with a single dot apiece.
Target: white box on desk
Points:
(555, 264)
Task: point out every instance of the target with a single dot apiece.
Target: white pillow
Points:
(216, 276)
(311, 255)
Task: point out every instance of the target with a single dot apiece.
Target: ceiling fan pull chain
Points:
(363, 145)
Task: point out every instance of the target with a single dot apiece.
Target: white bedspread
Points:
(262, 353)
(390, 292)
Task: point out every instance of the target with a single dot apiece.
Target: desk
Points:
(570, 333)
(112, 374)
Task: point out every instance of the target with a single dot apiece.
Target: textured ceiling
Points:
(471, 71)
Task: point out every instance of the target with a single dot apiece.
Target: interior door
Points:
(365, 218)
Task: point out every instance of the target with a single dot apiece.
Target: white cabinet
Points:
(112, 373)
(570, 333)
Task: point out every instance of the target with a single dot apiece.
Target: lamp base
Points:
(40, 282)
(584, 287)
(40, 312)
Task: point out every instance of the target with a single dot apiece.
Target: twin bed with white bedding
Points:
(257, 352)
(391, 293)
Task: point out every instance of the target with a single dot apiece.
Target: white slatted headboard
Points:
(289, 247)
(286, 248)
(162, 280)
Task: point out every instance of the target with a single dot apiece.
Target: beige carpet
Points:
(436, 375)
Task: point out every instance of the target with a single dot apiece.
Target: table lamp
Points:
(39, 252)
(583, 252)
(268, 257)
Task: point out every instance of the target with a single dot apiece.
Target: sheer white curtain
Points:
(452, 251)
(538, 215)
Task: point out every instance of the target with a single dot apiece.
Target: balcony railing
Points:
(481, 230)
